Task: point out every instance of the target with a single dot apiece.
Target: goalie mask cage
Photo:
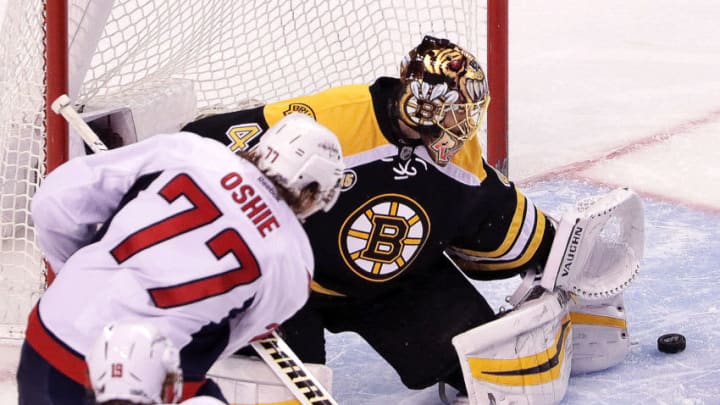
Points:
(168, 60)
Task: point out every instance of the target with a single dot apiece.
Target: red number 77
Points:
(228, 241)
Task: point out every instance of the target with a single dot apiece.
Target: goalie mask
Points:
(135, 363)
(297, 152)
(444, 96)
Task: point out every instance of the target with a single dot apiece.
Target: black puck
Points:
(671, 343)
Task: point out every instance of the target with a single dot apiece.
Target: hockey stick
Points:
(273, 350)
(291, 371)
(62, 106)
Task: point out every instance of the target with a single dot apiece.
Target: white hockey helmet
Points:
(298, 151)
(132, 361)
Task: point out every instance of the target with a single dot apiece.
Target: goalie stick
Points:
(272, 349)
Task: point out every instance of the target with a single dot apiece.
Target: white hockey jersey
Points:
(175, 230)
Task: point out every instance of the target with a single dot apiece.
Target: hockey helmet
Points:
(444, 96)
(297, 151)
(132, 361)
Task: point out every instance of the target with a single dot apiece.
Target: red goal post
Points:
(168, 60)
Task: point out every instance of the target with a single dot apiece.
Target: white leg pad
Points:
(524, 357)
(600, 336)
(249, 381)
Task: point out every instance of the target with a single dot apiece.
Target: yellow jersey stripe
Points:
(520, 261)
(512, 234)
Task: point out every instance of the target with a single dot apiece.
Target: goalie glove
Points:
(598, 246)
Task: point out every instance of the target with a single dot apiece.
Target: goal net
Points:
(165, 61)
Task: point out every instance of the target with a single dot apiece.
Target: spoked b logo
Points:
(381, 238)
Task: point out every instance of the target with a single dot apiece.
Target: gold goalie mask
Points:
(444, 96)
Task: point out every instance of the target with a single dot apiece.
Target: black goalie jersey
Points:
(398, 211)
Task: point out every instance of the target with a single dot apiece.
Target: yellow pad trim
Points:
(599, 320)
(535, 369)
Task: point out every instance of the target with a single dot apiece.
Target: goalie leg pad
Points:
(600, 336)
(248, 380)
(523, 357)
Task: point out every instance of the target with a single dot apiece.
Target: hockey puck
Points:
(671, 343)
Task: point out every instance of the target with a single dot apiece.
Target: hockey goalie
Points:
(568, 320)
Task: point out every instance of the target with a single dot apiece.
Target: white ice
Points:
(603, 94)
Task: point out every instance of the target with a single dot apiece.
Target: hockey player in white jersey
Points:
(183, 234)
